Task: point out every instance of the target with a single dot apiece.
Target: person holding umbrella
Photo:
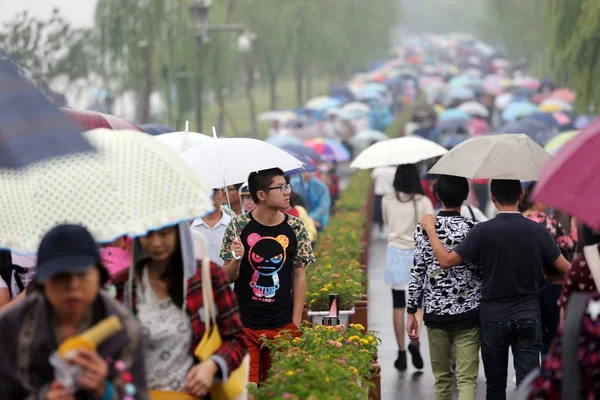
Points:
(66, 302)
(266, 254)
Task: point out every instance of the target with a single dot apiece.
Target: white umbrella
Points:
(357, 107)
(474, 109)
(508, 156)
(132, 185)
(404, 150)
(281, 116)
(365, 138)
(182, 141)
(228, 161)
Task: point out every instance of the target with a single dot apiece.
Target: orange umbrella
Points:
(564, 94)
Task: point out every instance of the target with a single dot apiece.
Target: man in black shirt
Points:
(511, 251)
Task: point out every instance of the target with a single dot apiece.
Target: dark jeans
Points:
(524, 336)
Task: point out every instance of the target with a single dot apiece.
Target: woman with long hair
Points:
(402, 210)
(164, 291)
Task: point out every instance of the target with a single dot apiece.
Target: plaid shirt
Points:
(234, 347)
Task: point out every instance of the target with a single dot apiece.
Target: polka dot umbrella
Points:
(131, 185)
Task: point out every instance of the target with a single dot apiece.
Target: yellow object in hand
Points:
(90, 338)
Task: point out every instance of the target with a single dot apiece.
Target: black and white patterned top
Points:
(449, 294)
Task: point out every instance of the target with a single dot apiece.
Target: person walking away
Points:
(315, 194)
(213, 227)
(401, 212)
(383, 178)
(164, 292)
(549, 309)
(511, 250)
(450, 297)
(67, 301)
(266, 253)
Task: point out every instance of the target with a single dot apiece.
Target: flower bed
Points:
(326, 363)
(338, 252)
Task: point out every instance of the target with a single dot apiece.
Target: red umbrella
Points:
(570, 181)
(479, 126)
(564, 94)
(88, 120)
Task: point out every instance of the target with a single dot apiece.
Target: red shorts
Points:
(260, 359)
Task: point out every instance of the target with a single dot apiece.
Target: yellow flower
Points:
(324, 289)
(297, 340)
(327, 379)
(357, 326)
(371, 339)
(289, 373)
(364, 341)
(353, 370)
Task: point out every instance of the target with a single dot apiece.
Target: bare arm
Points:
(562, 264)
(232, 269)
(4, 297)
(299, 293)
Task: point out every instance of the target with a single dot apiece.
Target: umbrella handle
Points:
(235, 256)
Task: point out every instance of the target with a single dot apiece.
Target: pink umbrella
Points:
(493, 85)
(564, 94)
(570, 181)
(561, 118)
(478, 126)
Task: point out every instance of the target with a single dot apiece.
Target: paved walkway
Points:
(411, 384)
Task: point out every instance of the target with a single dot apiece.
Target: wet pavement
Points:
(411, 384)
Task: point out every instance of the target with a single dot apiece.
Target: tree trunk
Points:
(298, 78)
(250, 96)
(146, 86)
(272, 78)
(309, 87)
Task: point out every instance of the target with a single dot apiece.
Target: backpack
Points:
(8, 270)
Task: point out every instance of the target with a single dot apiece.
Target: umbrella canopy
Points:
(341, 92)
(132, 185)
(284, 140)
(364, 139)
(570, 182)
(557, 142)
(518, 110)
(156, 129)
(281, 116)
(404, 150)
(493, 85)
(322, 103)
(542, 117)
(564, 120)
(539, 131)
(304, 150)
(88, 120)
(329, 150)
(564, 94)
(552, 104)
(32, 128)
(461, 93)
(453, 124)
(309, 164)
(474, 109)
(528, 82)
(479, 126)
(511, 156)
(462, 80)
(454, 114)
(228, 161)
(182, 141)
(503, 100)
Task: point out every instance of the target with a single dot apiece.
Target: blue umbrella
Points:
(452, 124)
(284, 140)
(539, 131)
(517, 110)
(548, 119)
(309, 164)
(156, 129)
(31, 127)
(461, 93)
(341, 92)
(454, 113)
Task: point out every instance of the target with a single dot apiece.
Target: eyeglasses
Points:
(284, 188)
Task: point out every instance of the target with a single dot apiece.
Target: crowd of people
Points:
(494, 269)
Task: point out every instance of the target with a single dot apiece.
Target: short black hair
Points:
(296, 200)
(261, 180)
(506, 191)
(527, 201)
(451, 190)
(407, 180)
